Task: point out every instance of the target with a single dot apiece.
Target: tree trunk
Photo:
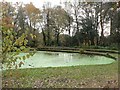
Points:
(34, 39)
(92, 41)
(96, 29)
(102, 30)
(111, 26)
(48, 30)
(69, 32)
(44, 37)
(77, 27)
(57, 39)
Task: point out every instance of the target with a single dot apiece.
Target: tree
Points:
(115, 25)
(61, 21)
(70, 17)
(104, 18)
(76, 5)
(47, 21)
(87, 24)
(33, 14)
(70, 20)
(12, 46)
(42, 26)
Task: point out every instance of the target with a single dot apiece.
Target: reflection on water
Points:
(58, 59)
(48, 53)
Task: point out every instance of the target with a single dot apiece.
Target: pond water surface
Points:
(59, 59)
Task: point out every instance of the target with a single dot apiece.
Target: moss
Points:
(81, 51)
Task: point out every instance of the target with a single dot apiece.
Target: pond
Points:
(60, 59)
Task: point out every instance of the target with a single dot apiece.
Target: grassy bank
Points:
(64, 77)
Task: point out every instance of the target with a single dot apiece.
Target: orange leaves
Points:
(7, 22)
(21, 63)
(32, 12)
(7, 19)
(30, 8)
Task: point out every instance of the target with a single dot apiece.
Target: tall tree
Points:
(76, 12)
(70, 20)
(33, 14)
(61, 21)
(47, 15)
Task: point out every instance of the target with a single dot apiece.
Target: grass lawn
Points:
(89, 76)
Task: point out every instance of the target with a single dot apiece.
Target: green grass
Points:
(87, 76)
